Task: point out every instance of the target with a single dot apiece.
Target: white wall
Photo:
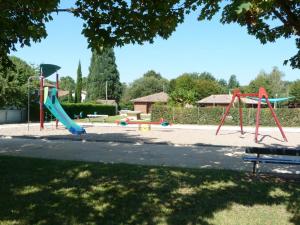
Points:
(12, 116)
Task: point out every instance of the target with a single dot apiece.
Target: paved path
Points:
(135, 153)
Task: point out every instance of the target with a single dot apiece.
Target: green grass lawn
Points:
(36, 191)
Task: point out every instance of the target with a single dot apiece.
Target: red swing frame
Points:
(262, 93)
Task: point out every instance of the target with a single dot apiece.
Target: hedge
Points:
(288, 117)
(75, 109)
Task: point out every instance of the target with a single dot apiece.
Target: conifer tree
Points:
(78, 84)
(103, 69)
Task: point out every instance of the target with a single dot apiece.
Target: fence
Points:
(13, 116)
(212, 116)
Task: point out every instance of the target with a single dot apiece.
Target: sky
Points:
(206, 46)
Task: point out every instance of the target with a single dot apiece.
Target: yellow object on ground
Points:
(144, 127)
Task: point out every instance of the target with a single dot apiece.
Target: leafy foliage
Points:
(78, 84)
(295, 91)
(22, 22)
(191, 87)
(212, 116)
(116, 23)
(13, 88)
(233, 82)
(68, 84)
(88, 108)
(272, 82)
(103, 69)
(84, 83)
(150, 83)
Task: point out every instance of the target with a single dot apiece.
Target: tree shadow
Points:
(37, 191)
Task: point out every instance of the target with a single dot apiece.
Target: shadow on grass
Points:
(35, 191)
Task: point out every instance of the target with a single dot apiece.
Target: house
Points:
(144, 104)
(62, 93)
(83, 95)
(106, 102)
(224, 100)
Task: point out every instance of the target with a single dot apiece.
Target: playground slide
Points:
(52, 103)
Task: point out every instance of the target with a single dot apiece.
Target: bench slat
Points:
(272, 160)
(273, 151)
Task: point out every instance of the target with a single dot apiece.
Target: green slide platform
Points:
(52, 103)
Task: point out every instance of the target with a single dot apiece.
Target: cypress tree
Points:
(70, 97)
(78, 84)
(103, 69)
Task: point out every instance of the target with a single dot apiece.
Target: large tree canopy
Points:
(119, 22)
(103, 71)
(14, 88)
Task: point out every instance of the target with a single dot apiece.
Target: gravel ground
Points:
(174, 135)
(178, 145)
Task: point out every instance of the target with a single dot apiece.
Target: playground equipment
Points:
(262, 94)
(275, 101)
(49, 99)
(126, 122)
(53, 105)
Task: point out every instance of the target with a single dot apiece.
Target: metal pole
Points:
(57, 87)
(28, 101)
(41, 102)
(28, 104)
(106, 91)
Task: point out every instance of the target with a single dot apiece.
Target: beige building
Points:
(144, 104)
(224, 100)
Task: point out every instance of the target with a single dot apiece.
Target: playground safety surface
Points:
(178, 145)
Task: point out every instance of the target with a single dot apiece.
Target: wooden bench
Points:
(102, 117)
(277, 156)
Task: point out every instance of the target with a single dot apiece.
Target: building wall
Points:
(144, 107)
(141, 106)
(12, 116)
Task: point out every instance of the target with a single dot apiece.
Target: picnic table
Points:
(101, 117)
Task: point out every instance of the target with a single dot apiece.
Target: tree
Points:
(13, 88)
(152, 73)
(68, 84)
(277, 86)
(103, 69)
(84, 83)
(116, 23)
(223, 83)
(147, 85)
(233, 82)
(191, 87)
(183, 97)
(78, 84)
(206, 76)
(272, 82)
(295, 91)
(205, 88)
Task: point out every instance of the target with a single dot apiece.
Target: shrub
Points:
(88, 108)
(212, 116)
(75, 109)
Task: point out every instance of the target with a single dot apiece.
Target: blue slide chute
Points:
(52, 103)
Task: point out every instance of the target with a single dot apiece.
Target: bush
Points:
(75, 109)
(88, 108)
(212, 116)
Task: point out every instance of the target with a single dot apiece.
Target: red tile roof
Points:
(158, 97)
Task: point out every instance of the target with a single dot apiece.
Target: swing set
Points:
(262, 95)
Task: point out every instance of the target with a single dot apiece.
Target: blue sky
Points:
(195, 47)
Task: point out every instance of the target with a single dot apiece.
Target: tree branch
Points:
(69, 10)
(291, 18)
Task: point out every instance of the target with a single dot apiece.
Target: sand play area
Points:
(177, 145)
